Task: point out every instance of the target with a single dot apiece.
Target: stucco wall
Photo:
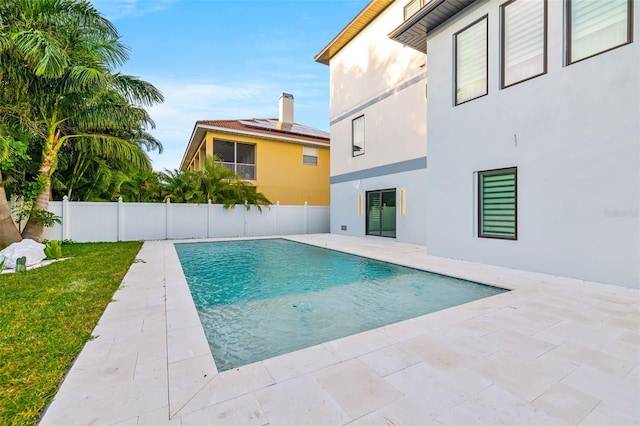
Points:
(377, 77)
(280, 174)
(384, 81)
(410, 228)
(574, 135)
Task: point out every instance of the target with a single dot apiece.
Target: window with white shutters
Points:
(471, 61)
(523, 40)
(596, 26)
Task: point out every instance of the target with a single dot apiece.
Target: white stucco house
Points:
(533, 128)
(378, 118)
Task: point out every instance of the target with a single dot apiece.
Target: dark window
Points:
(523, 40)
(498, 204)
(596, 26)
(239, 157)
(357, 141)
(471, 61)
(381, 213)
(310, 155)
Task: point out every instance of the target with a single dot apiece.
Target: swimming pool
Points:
(261, 298)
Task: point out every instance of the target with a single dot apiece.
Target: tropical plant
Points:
(12, 151)
(53, 249)
(60, 84)
(213, 182)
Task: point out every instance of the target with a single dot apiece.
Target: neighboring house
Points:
(533, 128)
(286, 161)
(378, 128)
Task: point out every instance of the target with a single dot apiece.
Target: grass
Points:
(46, 316)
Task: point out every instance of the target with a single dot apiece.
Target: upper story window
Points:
(523, 44)
(596, 26)
(357, 141)
(310, 155)
(239, 157)
(412, 7)
(471, 61)
(498, 204)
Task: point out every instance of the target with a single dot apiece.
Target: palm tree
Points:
(213, 182)
(69, 51)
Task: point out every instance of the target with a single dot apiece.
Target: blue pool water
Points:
(261, 298)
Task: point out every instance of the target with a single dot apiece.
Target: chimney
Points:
(286, 109)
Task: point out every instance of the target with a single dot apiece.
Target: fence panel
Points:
(291, 220)
(86, 221)
(227, 222)
(119, 221)
(261, 224)
(55, 232)
(144, 221)
(188, 221)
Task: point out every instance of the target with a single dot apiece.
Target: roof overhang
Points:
(353, 28)
(200, 131)
(413, 32)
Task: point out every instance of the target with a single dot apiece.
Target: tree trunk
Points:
(34, 230)
(8, 230)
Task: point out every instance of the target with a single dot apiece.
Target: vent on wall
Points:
(343, 227)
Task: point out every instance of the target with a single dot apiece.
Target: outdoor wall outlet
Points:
(343, 227)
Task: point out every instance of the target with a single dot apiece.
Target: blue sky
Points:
(225, 59)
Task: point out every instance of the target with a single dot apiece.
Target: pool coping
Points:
(150, 337)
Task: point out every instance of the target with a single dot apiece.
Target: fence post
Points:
(208, 218)
(305, 217)
(65, 218)
(120, 236)
(244, 219)
(168, 220)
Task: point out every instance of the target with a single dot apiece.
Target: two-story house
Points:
(286, 161)
(533, 128)
(378, 128)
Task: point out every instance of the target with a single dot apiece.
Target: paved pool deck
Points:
(551, 351)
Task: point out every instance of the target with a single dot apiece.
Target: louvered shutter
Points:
(498, 204)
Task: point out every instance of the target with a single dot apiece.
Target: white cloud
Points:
(187, 102)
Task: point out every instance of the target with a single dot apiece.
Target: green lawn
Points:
(46, 316)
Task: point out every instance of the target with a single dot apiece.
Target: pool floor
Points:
(262, 298)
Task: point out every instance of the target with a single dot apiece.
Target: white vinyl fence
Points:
(120, 221)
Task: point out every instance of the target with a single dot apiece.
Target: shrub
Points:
(53, 249)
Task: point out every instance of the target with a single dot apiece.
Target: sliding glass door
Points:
(381, 213)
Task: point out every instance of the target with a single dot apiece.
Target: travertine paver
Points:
(552, 351)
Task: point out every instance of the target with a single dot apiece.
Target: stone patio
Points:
(551, 351)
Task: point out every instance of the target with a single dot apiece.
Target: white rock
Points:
(33, 250)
